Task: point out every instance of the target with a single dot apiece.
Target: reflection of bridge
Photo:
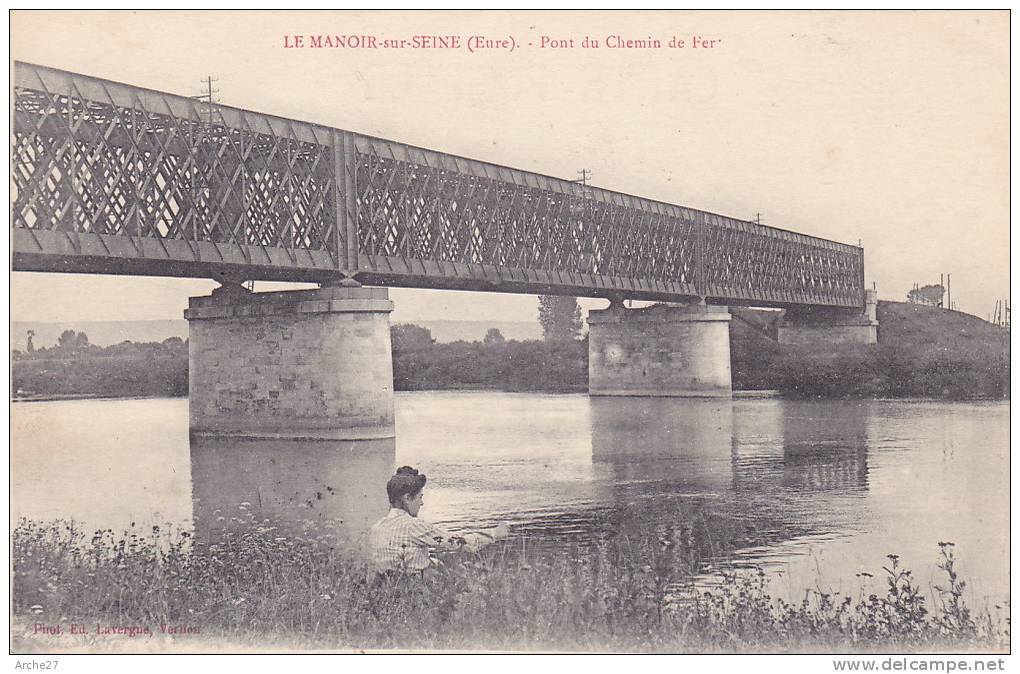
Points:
(736, 473)
(116, 179)
(765, 469)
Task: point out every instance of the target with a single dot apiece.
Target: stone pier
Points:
(659, 351)
(302, 364)
(827, 328)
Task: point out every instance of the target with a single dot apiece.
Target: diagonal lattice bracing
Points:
(112, 178)
(131, 171)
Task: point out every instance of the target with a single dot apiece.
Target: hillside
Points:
(922, 351)
(938, 329)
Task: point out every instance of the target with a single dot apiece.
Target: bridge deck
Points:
(117, 179)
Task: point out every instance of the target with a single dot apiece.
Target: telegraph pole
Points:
(1001, 315)
(207, 97)
(209, 91)
(584, 175)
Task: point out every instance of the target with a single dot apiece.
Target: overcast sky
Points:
(891, 128)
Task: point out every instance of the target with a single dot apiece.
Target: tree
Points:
(408, 337)
(67, 339)
(560, 317)
(173, 343)
(70, 340)
(494, 336)
(931, 295)
(31, 346)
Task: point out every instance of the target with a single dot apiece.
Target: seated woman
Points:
(400, 543)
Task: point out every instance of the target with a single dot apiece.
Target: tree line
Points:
(75, 367)
(923, 352)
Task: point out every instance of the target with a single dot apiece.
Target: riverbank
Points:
(628, 594)
(923, 352)
(41, 398)
(87, 371)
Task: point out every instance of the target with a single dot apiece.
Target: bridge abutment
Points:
(659, 351)
(302, 364)
(823, 327)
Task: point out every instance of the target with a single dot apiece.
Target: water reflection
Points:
(330, 489)
(803, 447)
(757, 455)
(684, 445)
(735, 475)
(801, 471)
(825, 447)
(520, 458)
(665, 469)
(831, 485)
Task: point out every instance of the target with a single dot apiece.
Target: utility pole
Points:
(209, 91)
(584, 176)
(942, 284)
(949, 290)
(757, 218)
(207, 97)
(1001, 316)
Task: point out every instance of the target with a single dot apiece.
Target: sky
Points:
(889, 128)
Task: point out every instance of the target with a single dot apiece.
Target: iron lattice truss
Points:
(110, 178)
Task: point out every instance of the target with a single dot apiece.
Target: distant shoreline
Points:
(923, 352)
(765, 394)
(43, 398)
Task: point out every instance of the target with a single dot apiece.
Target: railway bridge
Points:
(110, 178)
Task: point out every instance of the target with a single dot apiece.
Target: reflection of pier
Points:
(685, 444)
(727, 475)
(309, 489)
(757, 445)
(825, 446)
(804, 446)
(666, 464)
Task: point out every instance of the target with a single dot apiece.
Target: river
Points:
(816, 492)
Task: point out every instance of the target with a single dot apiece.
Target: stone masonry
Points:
(824, 328)
(312, 364)
(659, 351)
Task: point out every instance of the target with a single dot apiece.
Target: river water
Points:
(814, 492)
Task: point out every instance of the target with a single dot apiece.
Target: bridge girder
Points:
(112, 178)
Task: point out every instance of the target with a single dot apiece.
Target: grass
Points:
(262, 590)
(922, 351)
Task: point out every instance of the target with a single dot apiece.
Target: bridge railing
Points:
(119, 179)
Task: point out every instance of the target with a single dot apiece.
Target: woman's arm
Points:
(442, 540)
(478, 539)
